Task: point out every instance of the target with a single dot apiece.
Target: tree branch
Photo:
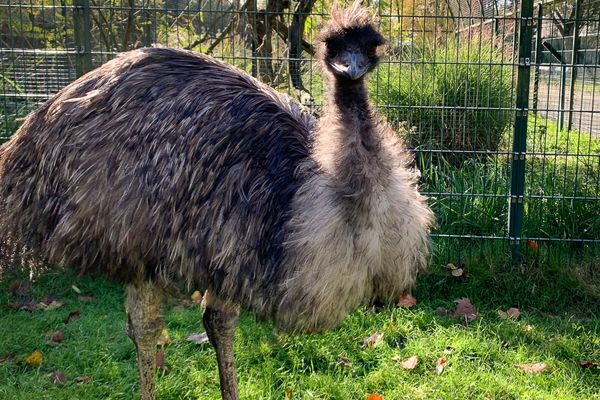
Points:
(296, 32)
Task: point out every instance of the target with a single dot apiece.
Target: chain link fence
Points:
(498, 99)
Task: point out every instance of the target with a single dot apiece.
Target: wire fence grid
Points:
(500, 100)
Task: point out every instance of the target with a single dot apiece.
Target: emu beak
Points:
(352, 64)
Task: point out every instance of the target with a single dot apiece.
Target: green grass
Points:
(562, 308)
(455, 95)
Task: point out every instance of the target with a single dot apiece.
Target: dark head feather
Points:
(353, 18)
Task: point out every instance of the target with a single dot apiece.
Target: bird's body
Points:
(164, 165)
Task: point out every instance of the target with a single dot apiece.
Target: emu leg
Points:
(220, 321)
(143, 303)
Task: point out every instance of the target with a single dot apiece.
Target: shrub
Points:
(458, 97)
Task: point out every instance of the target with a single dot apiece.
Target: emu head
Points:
(349, 42)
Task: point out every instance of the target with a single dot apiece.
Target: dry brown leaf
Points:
(532, 244)
(164, 338)
(160, 362)
(197, 297)
(54, 338)
(457, 272)
(588, 364)
(464, 309)
(20, 288)
(49, 306)
(374, 396)
(512, 313)
(8, 357)
(410, 363)
(73, 315)
(440, 365)
(441, 311)
(407, 301)
(372, 340)
(80, 380)
(198, 338)
(288, 393)
(451, 266)
(34, 359)
(344, 362)
(58, 378)
(532, 368)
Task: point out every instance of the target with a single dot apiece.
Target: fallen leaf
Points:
(457, 272)
(47, 299)
(532, 244)
(75, 289)
(441, 311)
(164, 338)
(8, 357)
(160, 362)
(528, 328)
(440, 365)
(197, 297)
(20, 288)
(29, 305)
(410, 363)
(58, 378)
(588, 364)
(80, 380)
(451, 266)
(34, 359)
(374, 396)
(54, 338)
(87, 299)
(288, 393)
(512, 313)
(372, 340)
(407, 301)
(198, 338)
(50, 306)
(344, 362)
(14, 286)
(73, 315)
(464, 309)
(532, 368)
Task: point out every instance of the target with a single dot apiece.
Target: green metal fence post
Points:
(82, 30)
(517, 185)
(538, 54)
(148, 29)
(574, 50)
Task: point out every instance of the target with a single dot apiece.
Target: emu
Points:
(165, 166)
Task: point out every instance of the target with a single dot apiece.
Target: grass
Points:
(457, 96)
(562, 311)
(562, 187)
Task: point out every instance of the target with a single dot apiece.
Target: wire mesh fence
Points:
(498, 99)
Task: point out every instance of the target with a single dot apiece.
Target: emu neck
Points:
(348, 140)
(350, 102)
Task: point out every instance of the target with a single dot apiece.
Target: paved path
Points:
(586, 106)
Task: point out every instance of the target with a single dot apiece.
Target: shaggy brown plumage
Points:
(164, 165)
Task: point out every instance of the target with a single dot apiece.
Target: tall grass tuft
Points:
(457, 96)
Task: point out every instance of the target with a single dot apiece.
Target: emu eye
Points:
(372, 52)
